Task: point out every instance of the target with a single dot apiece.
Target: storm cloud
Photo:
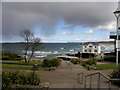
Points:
(17, 16)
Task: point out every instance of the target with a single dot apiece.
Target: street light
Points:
(117, 15)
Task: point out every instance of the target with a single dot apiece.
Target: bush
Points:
(54, 62)
(75, 61)
(6, 80)
(46, 62)
(10, 56)
(109, 58)
(18, 78)
(99, 59)
(91, 62)
(83, 63)
(115, 74)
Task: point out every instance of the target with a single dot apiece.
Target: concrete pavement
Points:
(65, 76)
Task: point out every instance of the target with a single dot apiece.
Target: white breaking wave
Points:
(71, 50)
(43, 52)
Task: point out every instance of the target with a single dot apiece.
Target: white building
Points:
(91, 48)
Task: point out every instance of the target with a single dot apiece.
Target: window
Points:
(90, 46)
(95, 50)
(85, 50)
(85, 46)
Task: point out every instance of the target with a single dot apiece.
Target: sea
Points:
(44, 49)
(50, 49)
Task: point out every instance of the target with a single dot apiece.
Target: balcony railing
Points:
(114, 33)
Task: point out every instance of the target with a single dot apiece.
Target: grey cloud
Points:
(20, 15)
(91, 14)
(0, 23)
(69, 27)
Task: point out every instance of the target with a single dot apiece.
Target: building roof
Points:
(90, 43)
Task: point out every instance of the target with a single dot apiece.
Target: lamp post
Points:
(117, 15)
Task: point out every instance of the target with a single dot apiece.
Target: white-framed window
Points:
(90, 46)
(85, 50)
(95, 50)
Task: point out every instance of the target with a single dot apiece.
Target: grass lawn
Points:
(106, 66)
(0, 68)
(24, 67)
(21, 62)
(11, 66)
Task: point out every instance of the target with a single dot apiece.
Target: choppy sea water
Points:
(44, 49)
(50, 49)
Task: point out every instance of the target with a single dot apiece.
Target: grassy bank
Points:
(106, 66)
(19, 67)
(21, 62)
(23, 67)
(9, 56)
(11, 66)
(92, 63)
(46, 64)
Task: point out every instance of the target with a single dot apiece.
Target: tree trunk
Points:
(26, 55)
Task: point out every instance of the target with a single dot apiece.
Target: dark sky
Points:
(17, 16)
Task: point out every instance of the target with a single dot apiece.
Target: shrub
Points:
(46, 62)
(75, 61)
(115, 74)
(10, 56)
(18, 78)
(91, 62)
(109, 58)
(54, 62)
(83, 63)
(6, 80)
(99, 59)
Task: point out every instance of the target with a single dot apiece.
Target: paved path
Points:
(65, 76)
(68, 66)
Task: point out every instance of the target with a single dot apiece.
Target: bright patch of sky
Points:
(78, 34)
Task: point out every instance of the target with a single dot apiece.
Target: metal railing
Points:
(114, 33)
(81, 77)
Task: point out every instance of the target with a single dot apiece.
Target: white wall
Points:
(98, 48)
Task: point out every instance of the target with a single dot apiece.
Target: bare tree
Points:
(35, 43)
(30, 43)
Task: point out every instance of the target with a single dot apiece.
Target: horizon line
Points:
(60, 42)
